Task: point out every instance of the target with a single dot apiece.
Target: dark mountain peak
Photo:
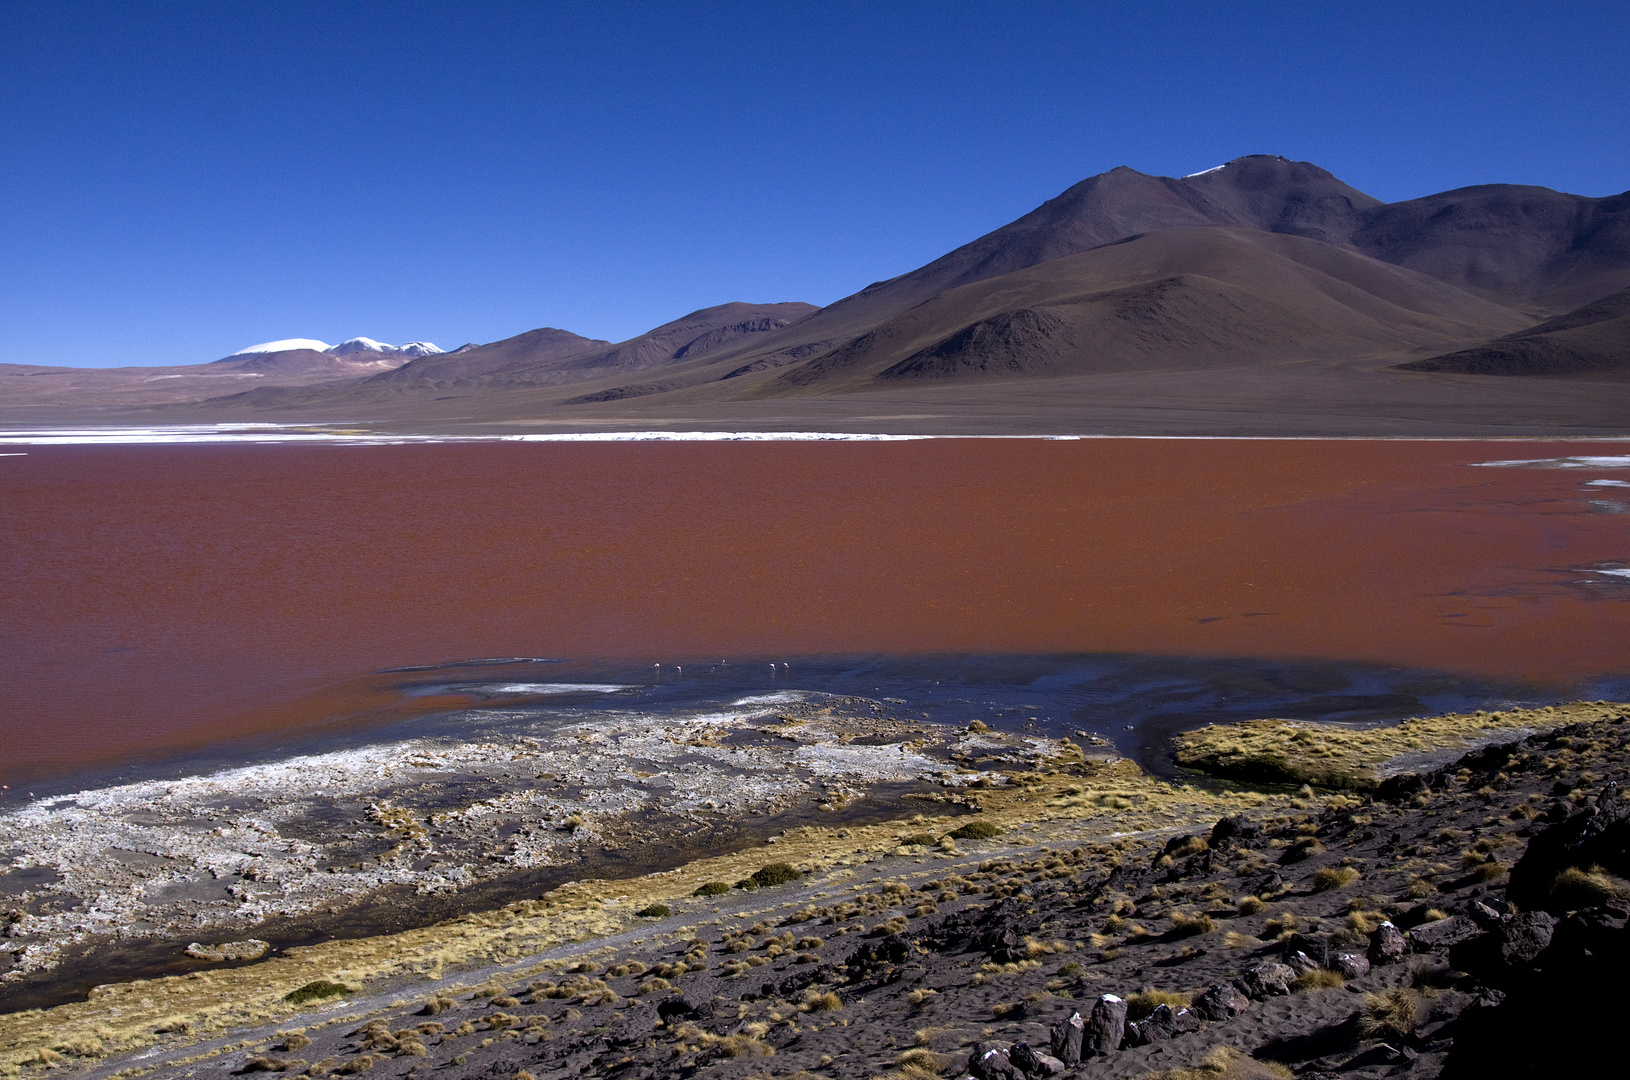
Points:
(1274, 193)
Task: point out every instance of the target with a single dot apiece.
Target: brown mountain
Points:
(1529, 249)
(1590, 341)
(1541, 250)
(1189, 297)
(455, 369)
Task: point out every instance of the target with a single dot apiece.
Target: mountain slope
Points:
(687, 337)
(1592, 340)
(1173, 299)
(446, 370)
(1538, 249)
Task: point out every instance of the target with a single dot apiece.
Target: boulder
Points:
(676, 1008)
(1388, 944)
(1443, 933)
(1261, 981)
(989, 1061)
(1032, 1062)
(1301, 963)
(1237, 830)
(1222, 1002)
(1351, 965)
(1400, 787)
(1164, 1023)
(251, 949)
(1106, 1026)
(1066, 1039)
(1598, 836)
(1507, 949)
(1316, 947)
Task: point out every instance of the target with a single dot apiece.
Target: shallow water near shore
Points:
(1132, 703)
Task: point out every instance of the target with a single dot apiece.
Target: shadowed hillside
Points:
(1593, 340)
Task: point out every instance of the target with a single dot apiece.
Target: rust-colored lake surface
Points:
(162, 597)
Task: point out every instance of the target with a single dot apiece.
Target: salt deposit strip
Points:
(208, 857)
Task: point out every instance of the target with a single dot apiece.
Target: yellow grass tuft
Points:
(1143, 1003)
(1318, 979)
(1390, 1014)
(1226, 1063)
(1334, 877)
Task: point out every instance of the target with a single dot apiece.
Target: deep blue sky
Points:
(180, 180)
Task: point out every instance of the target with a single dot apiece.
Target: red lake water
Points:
(160, 598)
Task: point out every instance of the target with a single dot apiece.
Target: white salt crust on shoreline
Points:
(206, 856)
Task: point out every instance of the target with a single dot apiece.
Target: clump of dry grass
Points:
(1284, 923)
(1188, 845)
(1303, 849)
(1365, 922)
(1034, 948)
(1318, 979)
(1187, 925)
(1334, 877)
(691, 1038)
(1236, 940)
(1226, 1063)
(1582, 888)
(818, 1002)
(1145, 1002)
(1251, 905)
(1390, 1014)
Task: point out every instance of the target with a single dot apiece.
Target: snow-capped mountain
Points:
(365, 344)
(345, 348)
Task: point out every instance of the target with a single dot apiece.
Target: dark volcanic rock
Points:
(1388, 944)
(1066, 1038)
(1316, 947)
(1106, 1027)
(990, 1061)
(1496, 956)
(1222, 1002)
(1032, 1062)
(1443, 933)
(1235, 831)
(1261, 981)
(1595, 837)
(1164, 1023)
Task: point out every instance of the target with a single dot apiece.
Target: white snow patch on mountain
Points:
(285, 345)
